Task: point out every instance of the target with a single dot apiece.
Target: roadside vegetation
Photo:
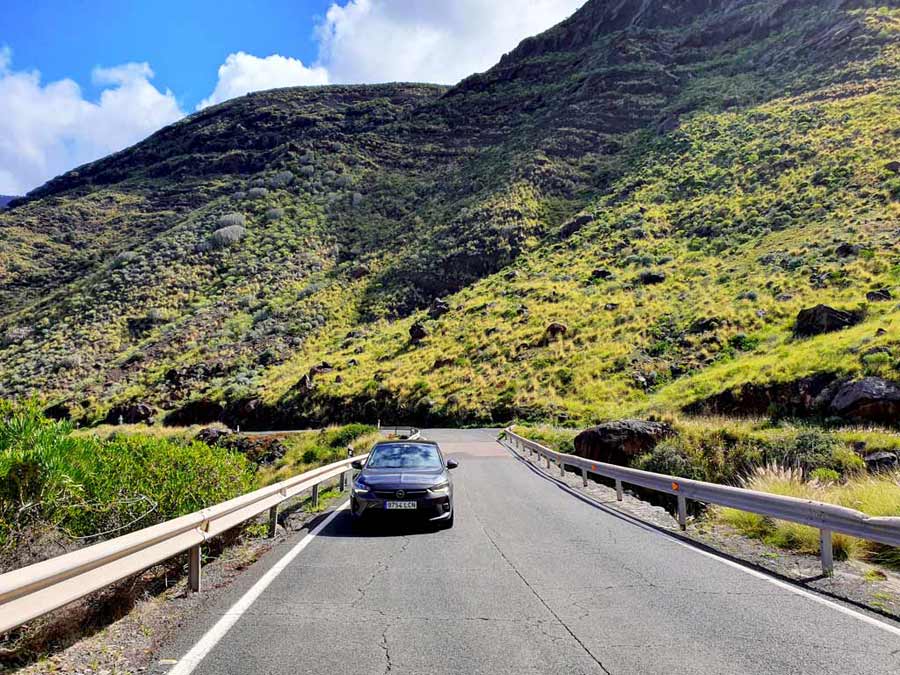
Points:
(62, 488)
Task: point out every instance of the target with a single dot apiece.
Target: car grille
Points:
(407, 494)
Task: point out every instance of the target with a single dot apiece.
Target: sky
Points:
(80, 79)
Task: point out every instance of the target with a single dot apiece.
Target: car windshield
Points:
(404, 456)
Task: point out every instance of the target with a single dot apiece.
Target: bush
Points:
(813, 449)
(823, 475)
(257, 193)
(230, 219)
(281, 179)
(227, 236)
(670, 459)
(88, 487)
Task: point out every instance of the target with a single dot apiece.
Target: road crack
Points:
(381, 569)
(540, 599)
(389, 664)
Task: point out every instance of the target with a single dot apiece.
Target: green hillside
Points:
(671, 186)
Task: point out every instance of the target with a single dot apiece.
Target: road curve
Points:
(530, 580)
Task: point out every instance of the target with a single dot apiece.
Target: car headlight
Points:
(442, 489)
(360, 487)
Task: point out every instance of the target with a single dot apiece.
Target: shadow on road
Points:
(378, 525)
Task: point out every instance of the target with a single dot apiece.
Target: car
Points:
(408, 477)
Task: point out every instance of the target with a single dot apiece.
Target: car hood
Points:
(408, 479)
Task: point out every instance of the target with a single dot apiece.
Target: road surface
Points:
(530, 580)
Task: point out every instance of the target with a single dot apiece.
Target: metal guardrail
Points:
(827, 518)
(33, 591)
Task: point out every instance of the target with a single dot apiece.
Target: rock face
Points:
(130, 413)
(621, 441)
(824, 319)
(201, 411)
(417, 333)
(870, 399)
(881, 461)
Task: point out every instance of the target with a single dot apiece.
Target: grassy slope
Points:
(402, 193)
(740, 210)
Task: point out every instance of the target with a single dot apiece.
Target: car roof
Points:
(407, 441)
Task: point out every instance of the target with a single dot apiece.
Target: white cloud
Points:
(47, 129)
(428, 40)
(242, 73)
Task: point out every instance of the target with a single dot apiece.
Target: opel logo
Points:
(401, 494)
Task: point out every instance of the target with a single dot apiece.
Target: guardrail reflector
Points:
(675, 487)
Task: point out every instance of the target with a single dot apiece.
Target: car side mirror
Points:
(357, 464)
(452, 464)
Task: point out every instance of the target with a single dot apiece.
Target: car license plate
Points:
(399, 506)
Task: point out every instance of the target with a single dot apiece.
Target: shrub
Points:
(281, 179)
(823, 475)
(274, 214)
(230, 219)
(87, 487)
(257, 193)
(670, 459)
(227, 236)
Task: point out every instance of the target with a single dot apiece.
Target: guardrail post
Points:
(315, 496)
(619, 495)
(273, 521)
(682, 512)
(826, 551)
(584, 480)
(194, 572)
(562, 469)
(547, 457)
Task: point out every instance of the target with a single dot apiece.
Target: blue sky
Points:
(80, 79)
(184, 41)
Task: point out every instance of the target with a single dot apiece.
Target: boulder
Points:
(893, 167)
(847, 250)
(871, 399)
(602, 274)
(130, 413)
(621, 441)
(880, 295)
(824, 319)
(359, 272)
(438, 308)
(555, 330)
(417, 332)
(59, 412)
(651, 277)
(213, 436)
(881, 461)
(320, 369)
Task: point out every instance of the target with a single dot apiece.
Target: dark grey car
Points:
(404, 477)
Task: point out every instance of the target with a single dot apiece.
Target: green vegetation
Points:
(877, 495)
(673, 211)
(310, 449)
(86, 487)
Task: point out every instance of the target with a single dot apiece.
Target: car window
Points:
(405, 456)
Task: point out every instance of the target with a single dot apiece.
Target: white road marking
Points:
(211, 638)
(865, 618)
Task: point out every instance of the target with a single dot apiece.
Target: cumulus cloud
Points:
(428, 40)
(47, 129)
(242, 73)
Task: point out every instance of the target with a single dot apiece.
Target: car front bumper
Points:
(432, 508)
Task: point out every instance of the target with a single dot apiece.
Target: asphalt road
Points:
(530, 580)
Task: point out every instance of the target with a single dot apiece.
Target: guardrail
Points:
(827, 518)
(33, 591)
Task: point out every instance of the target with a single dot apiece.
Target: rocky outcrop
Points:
(824, 319)
(200, 411)
(651, 278)
(880, 295)
(621, 441)
(130, 413)
(870, 399)
(438, 308)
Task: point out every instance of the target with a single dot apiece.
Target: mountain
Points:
(625, 215)
(5, 200)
